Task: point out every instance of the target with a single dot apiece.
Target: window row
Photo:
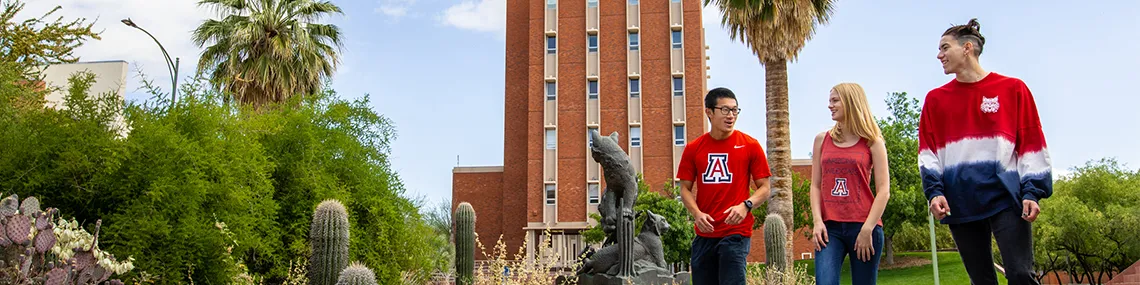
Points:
(634, 88)
(592, 42)
(634, 137)
(593, 193)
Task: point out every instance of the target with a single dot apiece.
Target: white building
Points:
(110, 78)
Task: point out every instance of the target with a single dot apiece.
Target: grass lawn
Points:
(950, 271)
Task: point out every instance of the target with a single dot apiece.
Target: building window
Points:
(678, 86)
(551, 139)
(591, 89)
(551, 194)
(551, 4)
(551, 45)
(634, 88)
(592, 43)
(679, 135)
(633, 41)
(632, 2)
(551, 91)
(676, 39)
(590, 139)
(676, 1)
(591, 3)
(594, 193)
(635, 136)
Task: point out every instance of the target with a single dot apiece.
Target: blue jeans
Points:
(841, 243)
(719, 260)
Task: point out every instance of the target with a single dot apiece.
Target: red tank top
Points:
(845, 182)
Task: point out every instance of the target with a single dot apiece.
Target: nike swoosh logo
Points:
(739, 146)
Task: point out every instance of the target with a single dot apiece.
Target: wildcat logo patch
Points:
(990, 105)
(717, 171)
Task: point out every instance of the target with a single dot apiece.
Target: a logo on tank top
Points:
(840, 189)
(717, 171)
(990, 105)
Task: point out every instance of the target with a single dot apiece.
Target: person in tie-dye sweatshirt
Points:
(983, 159)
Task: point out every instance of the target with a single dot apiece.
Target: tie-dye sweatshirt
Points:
(980, 144)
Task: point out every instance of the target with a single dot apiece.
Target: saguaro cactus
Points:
(356, 274)
(774, 237)
(329, 240)
(464, 243)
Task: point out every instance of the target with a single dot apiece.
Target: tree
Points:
(1091, 222)
(908, 203)
(776, 31)
(36, 42)
(438, 218)
(265, 51)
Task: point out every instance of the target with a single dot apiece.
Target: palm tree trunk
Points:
(779, 146)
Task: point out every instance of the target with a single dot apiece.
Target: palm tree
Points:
(776, 31)
(264, 51)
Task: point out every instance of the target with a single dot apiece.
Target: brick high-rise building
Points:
(627, 66)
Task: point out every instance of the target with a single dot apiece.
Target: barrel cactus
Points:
(356, 274)
(774, 238)
(329, 240)
(464, 243)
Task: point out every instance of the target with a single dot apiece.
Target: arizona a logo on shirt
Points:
(840, 189)
(717, 171)
(990, 105)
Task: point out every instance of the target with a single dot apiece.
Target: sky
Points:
(436, 68)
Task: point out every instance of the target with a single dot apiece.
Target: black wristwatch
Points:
(748, 204)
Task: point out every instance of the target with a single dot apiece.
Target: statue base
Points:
(655, 277)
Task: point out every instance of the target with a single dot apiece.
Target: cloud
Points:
(395, 9)
(484, 16)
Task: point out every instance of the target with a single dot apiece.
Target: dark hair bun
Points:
(973, 24)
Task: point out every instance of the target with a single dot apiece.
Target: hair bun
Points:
(973, 24)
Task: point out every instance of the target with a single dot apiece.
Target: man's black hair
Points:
(717, 94)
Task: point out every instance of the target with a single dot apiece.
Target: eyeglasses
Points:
(726, 110)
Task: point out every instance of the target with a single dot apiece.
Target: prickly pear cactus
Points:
(774, 239)
(329, 240)
(464, 244)
(356, 274)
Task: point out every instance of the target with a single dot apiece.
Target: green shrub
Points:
(161, 190)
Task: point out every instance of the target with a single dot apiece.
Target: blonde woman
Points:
(847, 216)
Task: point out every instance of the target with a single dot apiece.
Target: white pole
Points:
(933, 246)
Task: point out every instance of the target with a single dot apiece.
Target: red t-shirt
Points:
(721, 171)
(845, 182)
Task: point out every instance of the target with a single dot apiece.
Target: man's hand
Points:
(1030, 209)
(819, 231)
(704, 222)
(735, 214)
(939, 207)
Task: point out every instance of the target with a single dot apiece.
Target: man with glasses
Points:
(722, 163)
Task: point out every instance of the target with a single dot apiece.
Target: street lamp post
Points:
(172, 66)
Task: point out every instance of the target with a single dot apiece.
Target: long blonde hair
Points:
(856, 114)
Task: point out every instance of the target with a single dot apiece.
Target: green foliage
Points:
(900, 133)
(329, 240)
(438, 218)
(464, 243)
(916, 237)
(35, 42)
(1101, 198)
(774, 242)
(677, 241)
(160, 190)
